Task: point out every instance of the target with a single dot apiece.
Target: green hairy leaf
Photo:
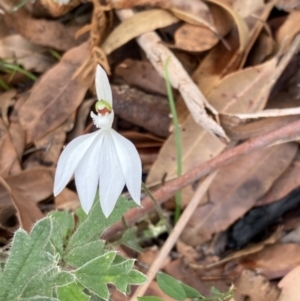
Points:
(27, 259)
(72, 292)
(95, 223)
(96, 274)
(129, 239)
(78, 256)
(59, 262)
(39, 298)
(150, 298)
(43, 283)
(63, 224)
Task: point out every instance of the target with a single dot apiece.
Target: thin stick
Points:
(170, 242)
(286, 133)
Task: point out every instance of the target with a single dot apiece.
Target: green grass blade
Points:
(177, 138)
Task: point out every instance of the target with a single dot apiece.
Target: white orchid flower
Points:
(103, 158)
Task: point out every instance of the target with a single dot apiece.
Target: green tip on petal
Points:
(102, 107)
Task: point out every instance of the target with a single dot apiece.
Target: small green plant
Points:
(180, 291)
(13, 68)
(62, 261)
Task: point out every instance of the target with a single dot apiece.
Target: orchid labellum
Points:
(103, 159)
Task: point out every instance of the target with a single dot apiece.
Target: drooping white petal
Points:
(102, 85)
(69, 160)
(112, 180)
(131, 165)
(87, 174)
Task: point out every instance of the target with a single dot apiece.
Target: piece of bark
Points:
(141, 74)
(148, 111)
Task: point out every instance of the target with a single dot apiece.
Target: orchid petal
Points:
(102, 85)
(112, 180)
(104, 122)
(69, 160)
(131, 165)
(87, 174)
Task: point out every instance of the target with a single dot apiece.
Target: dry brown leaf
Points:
(17, 135)
(141, 74)
(41, 32)
(8, 218)
(137, 25)
(287, 182)
(195, 150)
(9, 163)
(83, 113)
(292, 237)
(256, 23)
(7, 100)
(55, 97)
(16, 49)
(236, 189)
(246, 8)
(25, 190)
(194, 11)
(67, 200)
(274, 261)
(52, 143)
(289, 286)
(238, 129)
(254, 287)
(185, 38)
(143, 140)
(263, 48)
(287, 5)
(288, 30)
(34, 184)
(239, 21)
(206, 39)
(4, 31)
(149, 255)
(56, 10)
(221, 61)
(28, 213)
(251, 87)
(217, 63)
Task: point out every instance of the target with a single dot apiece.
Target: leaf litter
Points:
(234, 68)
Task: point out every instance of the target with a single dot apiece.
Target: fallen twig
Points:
(173, 237)
(286, 133)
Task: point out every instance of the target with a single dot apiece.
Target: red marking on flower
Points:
(104, 111)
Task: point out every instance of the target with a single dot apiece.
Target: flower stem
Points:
(177, 138)
(124, 222)
(157, 206)
(3, 85)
